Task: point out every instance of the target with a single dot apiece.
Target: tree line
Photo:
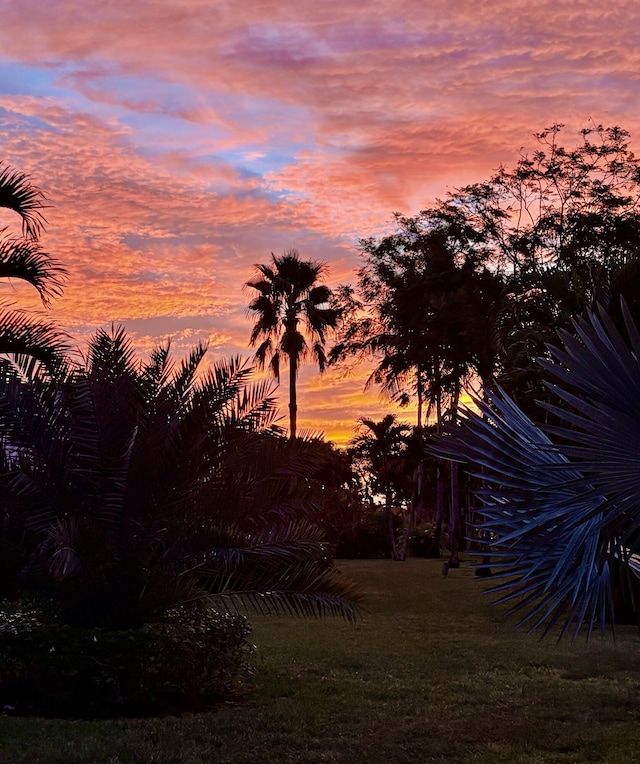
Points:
(467, 294)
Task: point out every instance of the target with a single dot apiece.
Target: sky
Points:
(181, 143)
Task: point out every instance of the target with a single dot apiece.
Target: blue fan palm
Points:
(561, 502)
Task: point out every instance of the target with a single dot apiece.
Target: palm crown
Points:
(289, 294)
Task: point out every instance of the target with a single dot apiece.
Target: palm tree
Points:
(561, 502)
(381, 446)
(131, 488)
(23, 258)
(288, 294)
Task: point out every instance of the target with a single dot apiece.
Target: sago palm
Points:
(290, 307)
(133, 487)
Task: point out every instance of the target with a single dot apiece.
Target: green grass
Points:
(431, 673)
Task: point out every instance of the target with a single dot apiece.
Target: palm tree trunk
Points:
(435, 547)
(419, 393)
(454, 519)
(392, 532)
(454, 510)
(293, 397)
(414, 509)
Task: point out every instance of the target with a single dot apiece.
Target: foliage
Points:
(367, 537)
(419, 310)
(188, 661)
(131, 488)
(561, 501)
(421, 539)
(289, 293)
(562, 224)
(380, 448)
(23, 258)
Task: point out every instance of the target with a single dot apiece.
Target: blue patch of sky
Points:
(163, 124)
(157, 112)
(18, 79)
(26, 122)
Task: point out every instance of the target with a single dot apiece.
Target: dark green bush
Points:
(421, 540)
(367, 539)
(188, 661)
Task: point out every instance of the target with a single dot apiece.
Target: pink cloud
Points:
(181, 143)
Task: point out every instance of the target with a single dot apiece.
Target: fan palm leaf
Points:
(561, 502)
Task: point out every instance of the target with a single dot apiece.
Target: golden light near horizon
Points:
(180, 144)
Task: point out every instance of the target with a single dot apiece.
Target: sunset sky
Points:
(181, 142)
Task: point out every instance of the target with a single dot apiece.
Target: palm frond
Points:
(26, 260)
(563, 514)
(17, 193)
(140, 489)
(22, 335)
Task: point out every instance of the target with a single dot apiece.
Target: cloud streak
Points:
(182, 143)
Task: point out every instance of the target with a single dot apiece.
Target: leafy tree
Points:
(423, 308)
(426, 310)
(289, 294)
(23, 258)
(341, 509)
(561, 502)
(563, 224)
(130, 488)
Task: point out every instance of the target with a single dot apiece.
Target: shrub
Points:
(421, 540)
(187, 662)
(369, 538)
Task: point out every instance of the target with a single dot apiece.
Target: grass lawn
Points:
(431, 673)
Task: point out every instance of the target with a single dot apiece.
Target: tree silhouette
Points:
(289, 294)
(381, 446)
(23, 258)
(130, 488)
(564, 225)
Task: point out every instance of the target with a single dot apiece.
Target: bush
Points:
(421, 540)
(188, 661)
(367, 539)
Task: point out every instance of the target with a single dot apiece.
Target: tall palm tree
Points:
(23, 258)
(289, 294)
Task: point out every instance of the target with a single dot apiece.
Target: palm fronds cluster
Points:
(22, 257)
(561, 500)
(128, 488)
